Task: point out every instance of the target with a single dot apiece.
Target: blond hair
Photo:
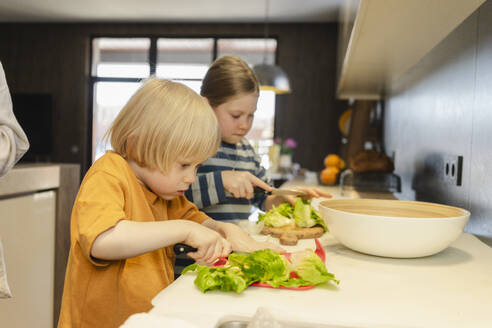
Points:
(228, 77)
(162, 122)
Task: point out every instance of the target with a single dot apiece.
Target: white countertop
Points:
(24, 178)
(450, 289)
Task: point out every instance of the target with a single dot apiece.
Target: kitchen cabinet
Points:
(35, 206)
(27, 229)
(381, 39)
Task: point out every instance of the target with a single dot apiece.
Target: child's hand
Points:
(241, 241)
(209, 243)
(311, 192)
(241, 183)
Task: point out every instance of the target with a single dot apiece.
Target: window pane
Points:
(183, 58)
(181, 71)
(120, 57)
(265, 112)
(252, 51)
(109, 99)
(261, 133)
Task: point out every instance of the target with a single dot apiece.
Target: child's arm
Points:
(240, 240)
(129, 238)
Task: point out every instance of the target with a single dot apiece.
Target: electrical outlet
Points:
(453, 169)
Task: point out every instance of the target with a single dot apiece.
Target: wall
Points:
(54, 58)
(442, 106)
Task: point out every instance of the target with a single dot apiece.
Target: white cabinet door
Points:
(27, 230)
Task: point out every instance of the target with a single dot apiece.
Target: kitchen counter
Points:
(336, 191)
(450, 289)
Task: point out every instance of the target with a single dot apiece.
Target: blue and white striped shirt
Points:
(208, 192)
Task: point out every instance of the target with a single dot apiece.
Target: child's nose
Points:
(243, 124)
(190, 178)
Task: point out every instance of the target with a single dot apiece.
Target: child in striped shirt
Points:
(225, 182)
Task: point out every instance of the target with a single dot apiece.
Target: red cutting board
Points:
(319, 251)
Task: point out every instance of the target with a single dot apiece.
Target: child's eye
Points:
(236, 116)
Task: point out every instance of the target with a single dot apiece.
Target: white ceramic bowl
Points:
(393, 228)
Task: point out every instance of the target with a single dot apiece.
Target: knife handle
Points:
(180, 248)
(258, 190)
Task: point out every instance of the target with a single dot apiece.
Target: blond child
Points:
(225, 185)
(130, 208)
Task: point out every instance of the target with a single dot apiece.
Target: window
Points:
(119, 65)
(184, 60)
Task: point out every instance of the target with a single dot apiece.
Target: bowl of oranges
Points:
(334, 164)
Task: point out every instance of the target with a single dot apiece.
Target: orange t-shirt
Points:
(104, 293)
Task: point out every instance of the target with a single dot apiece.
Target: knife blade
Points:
(280, 191)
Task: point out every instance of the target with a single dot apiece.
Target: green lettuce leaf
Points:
(302, 215)
(266, 266)
(218, 278)
(317, 218)
(306, 216)
(278, 216)
(262, 266)
(310, 269)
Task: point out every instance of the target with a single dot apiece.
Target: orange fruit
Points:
(329, 175)
(341, 166)
(334, 160)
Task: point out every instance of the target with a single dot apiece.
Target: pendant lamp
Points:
(271, 77)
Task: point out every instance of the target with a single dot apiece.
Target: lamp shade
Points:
(272, 77)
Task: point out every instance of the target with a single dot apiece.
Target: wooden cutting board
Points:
(289, 235)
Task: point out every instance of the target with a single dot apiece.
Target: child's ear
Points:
(206, 99)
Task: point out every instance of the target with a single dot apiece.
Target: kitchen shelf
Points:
(381, 39)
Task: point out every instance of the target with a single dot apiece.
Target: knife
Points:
(180, 248)
(280, 191)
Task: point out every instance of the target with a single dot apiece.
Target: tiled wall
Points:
(443, 105)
